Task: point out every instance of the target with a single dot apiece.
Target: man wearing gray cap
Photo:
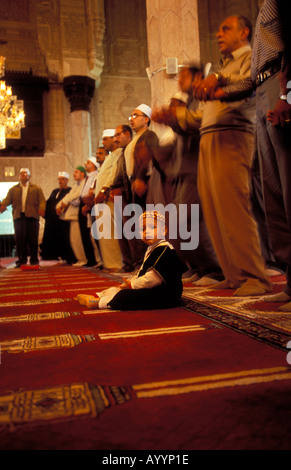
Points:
(28, 203)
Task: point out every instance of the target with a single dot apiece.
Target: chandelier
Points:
(11, 110)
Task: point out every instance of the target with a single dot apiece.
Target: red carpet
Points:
(177, 379)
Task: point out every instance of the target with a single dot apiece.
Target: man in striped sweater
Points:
(271, 79)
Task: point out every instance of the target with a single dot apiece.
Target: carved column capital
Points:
(79, 90)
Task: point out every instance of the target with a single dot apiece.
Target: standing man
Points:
(224, 172)
(85, 222)
(140, 152)
(120, 185)
(55, 243)
(274, 136)
(132, 250)
(28, 203)
(109, 247)
(271, 78)
(101, 154)
(68, 210)
(111, 157)
(178, 182)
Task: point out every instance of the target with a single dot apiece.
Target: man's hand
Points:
(3, 208)
(113, 193)
(280, 116)
(101, 196)
(167, 116)
(126, 284)
(60, 208)
(203, 90)
(139, 187)
(219, 94)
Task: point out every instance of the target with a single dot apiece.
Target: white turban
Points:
(94, 161)
(108, 133)
(64, 174)
(145, 109)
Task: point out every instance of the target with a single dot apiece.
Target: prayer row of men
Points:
(225, 145)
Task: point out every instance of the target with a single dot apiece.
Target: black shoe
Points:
(98, 265)
(20, 262)
(126, 269)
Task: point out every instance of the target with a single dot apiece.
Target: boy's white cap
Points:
(64, 174)
(108, 133)
(144, 108)
(152, 215)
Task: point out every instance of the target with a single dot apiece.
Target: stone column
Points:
(172, 28)
(79, 90)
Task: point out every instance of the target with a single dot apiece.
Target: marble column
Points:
(79, 91)
(172, 29)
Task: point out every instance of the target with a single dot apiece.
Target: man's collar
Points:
(117, 151)
(142, 131)
(238, 53)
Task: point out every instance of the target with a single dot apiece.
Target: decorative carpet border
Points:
(87, 400)
(246, 326)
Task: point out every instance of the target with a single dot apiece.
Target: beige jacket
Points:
(35, 201)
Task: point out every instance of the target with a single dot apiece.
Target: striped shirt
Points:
(272, 45)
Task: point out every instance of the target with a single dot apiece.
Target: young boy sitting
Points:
(157, 284)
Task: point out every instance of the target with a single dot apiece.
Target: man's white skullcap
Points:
(64, 174)
(144, 108)
(108, 133)
(94, 161)
(26, 170)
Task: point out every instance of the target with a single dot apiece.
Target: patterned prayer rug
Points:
(249, 315)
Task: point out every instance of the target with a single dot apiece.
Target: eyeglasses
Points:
(119, 133)
(133, 116)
